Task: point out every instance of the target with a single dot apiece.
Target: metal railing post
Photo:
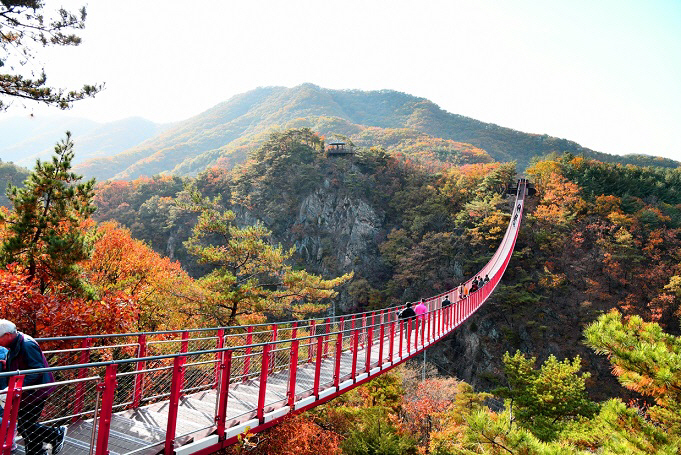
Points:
(401, 337)
(263, 382)
(185, 342)
(367, 356)
(339, 353)
(9, 418)
(380, 343)
(176, 384)
(318, 366)
(225, 371)
(292, 373)
(391, 343)
(293, 366)
(433, 324)
(79, 397)
(108, 389)
(409, 336)
(457, 314)
(355, 344)
(442, 319)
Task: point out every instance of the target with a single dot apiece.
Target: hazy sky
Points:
(606, 74)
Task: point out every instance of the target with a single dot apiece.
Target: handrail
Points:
(481, 272)
(229, 366)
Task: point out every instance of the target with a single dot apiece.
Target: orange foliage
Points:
(560, 200)
(298, 435)
(57, 313)
(120, 263)
(423, 407)
(605, 205)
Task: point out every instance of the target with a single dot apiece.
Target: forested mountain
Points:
(598, 236)
(598, 254)
(223, 134)
(10, 174)
(24, 139)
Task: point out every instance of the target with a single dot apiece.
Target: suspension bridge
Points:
(195, 391)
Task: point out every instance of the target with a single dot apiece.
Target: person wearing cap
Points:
(25, 354)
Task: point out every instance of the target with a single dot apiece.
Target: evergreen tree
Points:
(24, 25)
(251, 276)
(44, 232)
(646, 360)
(544, 399)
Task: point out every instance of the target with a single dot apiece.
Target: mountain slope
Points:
(201, 141)
(24, 139)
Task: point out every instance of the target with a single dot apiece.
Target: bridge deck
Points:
(143, 430)
(166, 398)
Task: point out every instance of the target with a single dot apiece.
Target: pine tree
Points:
(44, 228)
(544, 399)
(645, 359)
(24, 26)
(251, 276)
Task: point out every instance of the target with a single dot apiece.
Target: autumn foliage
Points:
(296, 435)
(57, 313)
(121, 264)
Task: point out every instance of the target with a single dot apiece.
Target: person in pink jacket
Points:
(421, 309)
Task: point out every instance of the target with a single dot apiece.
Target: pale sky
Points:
(606, 74)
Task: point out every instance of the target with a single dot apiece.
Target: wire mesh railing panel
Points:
(156, 380)
(64, 358)
(199, 373)
(280, 357)
(203, 343)
(239, 361)
(125, 387)
(346, 361)
(54, 406)
(277, 387)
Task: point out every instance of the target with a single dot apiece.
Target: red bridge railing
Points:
(234, 378)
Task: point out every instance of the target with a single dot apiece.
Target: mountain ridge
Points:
(25, 139)
(224, 134)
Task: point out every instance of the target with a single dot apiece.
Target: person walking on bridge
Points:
(445, 304)
(408, 314)
(420, 310)
(25, 354)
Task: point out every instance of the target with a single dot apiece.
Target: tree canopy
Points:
(44, 234)
(251, 276)
(25, 26)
